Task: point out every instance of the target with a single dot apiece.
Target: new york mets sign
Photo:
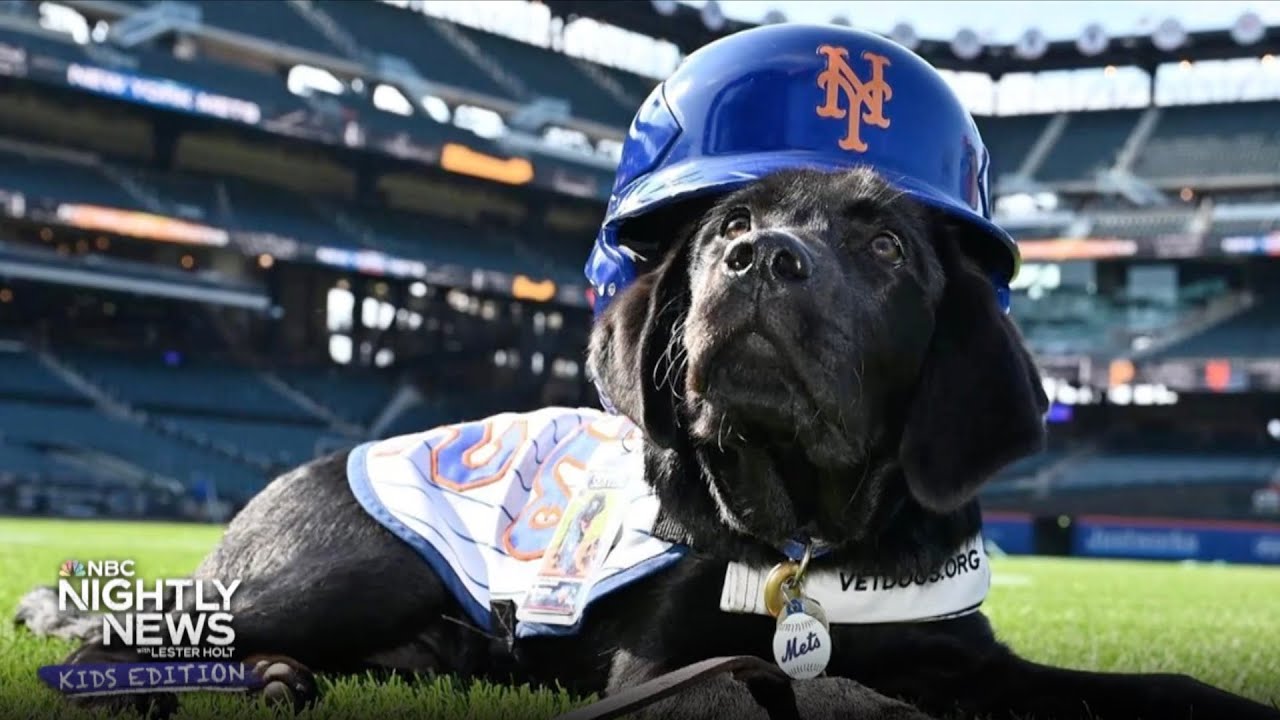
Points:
(849, 96)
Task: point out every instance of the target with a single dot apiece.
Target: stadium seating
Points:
(249, 206)
(1121, 469)
(555, 75)
(415, 38)
(49, 177)
(1009, 139)
(1253, 333)
(1222, 228)
(1148, 224)
(280, 446)
(1213, 141)
(1089, 144)
(282, 22)
(147, 382)
(23, 461)
(84, 429)
(23, 376)
(355, 396)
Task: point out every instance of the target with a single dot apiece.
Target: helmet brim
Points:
(710, 175)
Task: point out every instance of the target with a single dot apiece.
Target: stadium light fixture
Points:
(666, 8)
(1093, 40)
(1031, 45)
(713, 16)
(1169, 35)
(1248, 28)
(905, 35)
(966, 45)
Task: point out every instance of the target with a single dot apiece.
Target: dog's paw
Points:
(284, 681)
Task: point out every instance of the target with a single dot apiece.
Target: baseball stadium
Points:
(240, 235)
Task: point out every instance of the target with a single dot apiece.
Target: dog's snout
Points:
(776, 257)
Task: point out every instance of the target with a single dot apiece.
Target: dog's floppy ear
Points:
(979, 403)
(636, 350)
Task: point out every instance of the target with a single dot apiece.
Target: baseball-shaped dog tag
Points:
(802, 642)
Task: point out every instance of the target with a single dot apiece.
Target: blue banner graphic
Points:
(125, 678)
(1155, 539)
(1011, 532)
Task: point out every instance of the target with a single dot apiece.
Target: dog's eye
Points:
(887, 246)
(736, 224)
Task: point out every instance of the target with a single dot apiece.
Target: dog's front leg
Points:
(752, 696)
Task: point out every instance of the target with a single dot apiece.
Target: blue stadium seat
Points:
(277, 21)
(1120, 469)
(63, 181)
(262, 208)
(84, 428)
(419, 418)
(1090, 143)
(21, 374)
(147, 382)
(1213, 140)
(22, 461)
(354, 396)
(1253, 333)
(553, 74)
(1175, 222)
(381, 27)
(279, 444)
(1010, 139)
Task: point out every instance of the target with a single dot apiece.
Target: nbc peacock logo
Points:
(71, 568)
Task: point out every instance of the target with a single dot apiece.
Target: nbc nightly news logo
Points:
(184, 626)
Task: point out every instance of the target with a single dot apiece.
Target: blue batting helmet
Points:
(793, 96)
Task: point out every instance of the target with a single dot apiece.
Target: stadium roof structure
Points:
(685, 28)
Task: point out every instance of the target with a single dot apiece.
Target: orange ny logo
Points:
(865, 99)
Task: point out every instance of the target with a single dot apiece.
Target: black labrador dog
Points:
(814, 353)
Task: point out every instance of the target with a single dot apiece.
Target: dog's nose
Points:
(776, 257)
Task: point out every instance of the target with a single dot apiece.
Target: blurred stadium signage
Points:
(1122, 381)
(1163, 247)
(525, 288)
(1159, 539)
(454, 149)
(161, 93)
(140, 225)
(466, 161)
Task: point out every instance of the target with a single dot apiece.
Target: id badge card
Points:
(583, 539)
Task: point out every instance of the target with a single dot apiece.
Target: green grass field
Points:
(1219, 623)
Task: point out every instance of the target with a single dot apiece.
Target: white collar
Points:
(955, 589)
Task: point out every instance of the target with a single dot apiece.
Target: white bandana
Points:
(955, 589)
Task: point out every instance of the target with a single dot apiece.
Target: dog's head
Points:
(811, 350)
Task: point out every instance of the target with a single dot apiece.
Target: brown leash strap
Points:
(664, 686)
